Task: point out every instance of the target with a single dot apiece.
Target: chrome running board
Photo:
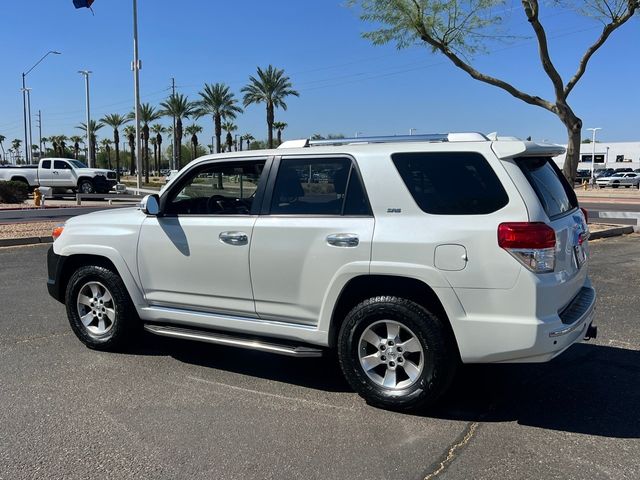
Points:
(224, 339)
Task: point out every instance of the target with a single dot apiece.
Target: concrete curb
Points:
(14, 242)
(611, 232)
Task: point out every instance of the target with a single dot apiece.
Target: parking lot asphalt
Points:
(174, 409)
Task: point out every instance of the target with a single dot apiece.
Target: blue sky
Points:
(346, 84)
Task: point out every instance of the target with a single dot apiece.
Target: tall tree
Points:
(460, 28)
(15, 145)
(158, 130)
(116, 121)
(218, 101)
(130, 133)
(229, 127)
(279, 126)
(178, 106)
(271, 87)
(77, 140)
(94, 126)
(45, 140)
(247, 137)
(148, 114)
(193, 130)
(106, 146)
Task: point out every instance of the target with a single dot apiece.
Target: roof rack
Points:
(431, 137)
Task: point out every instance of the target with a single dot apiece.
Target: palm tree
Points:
(4, 155)
(115, 121)
(279, 126)
(158, 130)
(248, 138)
(229, 127)
(44, 140)
(271, 88)
(94, 126)
(178, 106)
(193, 130)
(106, 145)
(219, 102)
(130, 133)
(148, 114)
(15, 145)
(77, 140)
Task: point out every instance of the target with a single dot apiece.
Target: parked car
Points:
(62, 173)
(401, 272)
(616, 180)
(623, 169)
(605, 172)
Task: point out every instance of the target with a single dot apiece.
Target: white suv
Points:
(407, 255)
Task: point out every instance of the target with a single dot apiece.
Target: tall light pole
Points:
(593, 150)
(85, 74)
(136, 90)
(411, 130)
(27, 145)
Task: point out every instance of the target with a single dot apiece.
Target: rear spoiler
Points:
(511, 149)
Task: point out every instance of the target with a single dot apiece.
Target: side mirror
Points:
(150, 205)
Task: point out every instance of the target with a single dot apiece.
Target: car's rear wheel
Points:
(99, 308)
(396, 354)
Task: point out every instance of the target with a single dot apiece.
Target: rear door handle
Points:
(234, 238)
(343, 240)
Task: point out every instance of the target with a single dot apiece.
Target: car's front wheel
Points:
(396, 354)
(99, 308)
(86, 186)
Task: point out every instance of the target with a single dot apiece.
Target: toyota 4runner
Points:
(406, 255)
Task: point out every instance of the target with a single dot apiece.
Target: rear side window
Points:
(451, 183)
(555, 194)
(318, 186)
(46, 164)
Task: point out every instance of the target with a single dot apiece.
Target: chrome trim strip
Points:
(228, 340)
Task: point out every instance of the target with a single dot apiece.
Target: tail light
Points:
(531, 243)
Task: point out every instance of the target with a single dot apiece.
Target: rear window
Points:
(555, 194)
(451, 183)
(46, 164)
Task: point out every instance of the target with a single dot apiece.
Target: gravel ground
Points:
(23, 230)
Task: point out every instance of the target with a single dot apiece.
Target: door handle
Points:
(234, 238)
(55, 173)
(343, 240)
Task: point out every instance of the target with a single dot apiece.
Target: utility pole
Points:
(136, 92)
(28, 147)
(173, 134)
(593, 150)
(85, 74)
(40, 132)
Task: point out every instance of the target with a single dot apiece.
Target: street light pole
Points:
(27, 145)
(30, 131)
(136, 91)
(593, 150)
(90, 159)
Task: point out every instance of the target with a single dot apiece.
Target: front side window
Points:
(216, 189)
(451, 183)
(318, 186)
(61, 165)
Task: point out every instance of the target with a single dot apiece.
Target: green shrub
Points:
(13, 192)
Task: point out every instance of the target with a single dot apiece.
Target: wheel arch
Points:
(366, 286)
(82, 178)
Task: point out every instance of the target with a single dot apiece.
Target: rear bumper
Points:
(525, 339)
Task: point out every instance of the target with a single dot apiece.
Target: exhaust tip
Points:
(592, 332)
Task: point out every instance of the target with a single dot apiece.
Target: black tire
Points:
(86, 186)
(440, 353)
(125, 323)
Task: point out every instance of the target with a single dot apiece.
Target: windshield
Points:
(77, 163)
(618, 175)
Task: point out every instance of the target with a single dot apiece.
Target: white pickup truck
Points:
(62, 173)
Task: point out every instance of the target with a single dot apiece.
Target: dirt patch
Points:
(24, 230)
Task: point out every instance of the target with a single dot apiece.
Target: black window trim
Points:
(233, 161)
(273, 173)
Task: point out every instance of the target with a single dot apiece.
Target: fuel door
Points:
(450, 258)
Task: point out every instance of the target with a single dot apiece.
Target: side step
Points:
(224, 339)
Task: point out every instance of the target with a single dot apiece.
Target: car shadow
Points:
(590, 389)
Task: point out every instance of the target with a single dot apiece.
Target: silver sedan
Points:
(620, 180)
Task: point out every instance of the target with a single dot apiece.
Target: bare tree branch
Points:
(531, 10)
(608, 30)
